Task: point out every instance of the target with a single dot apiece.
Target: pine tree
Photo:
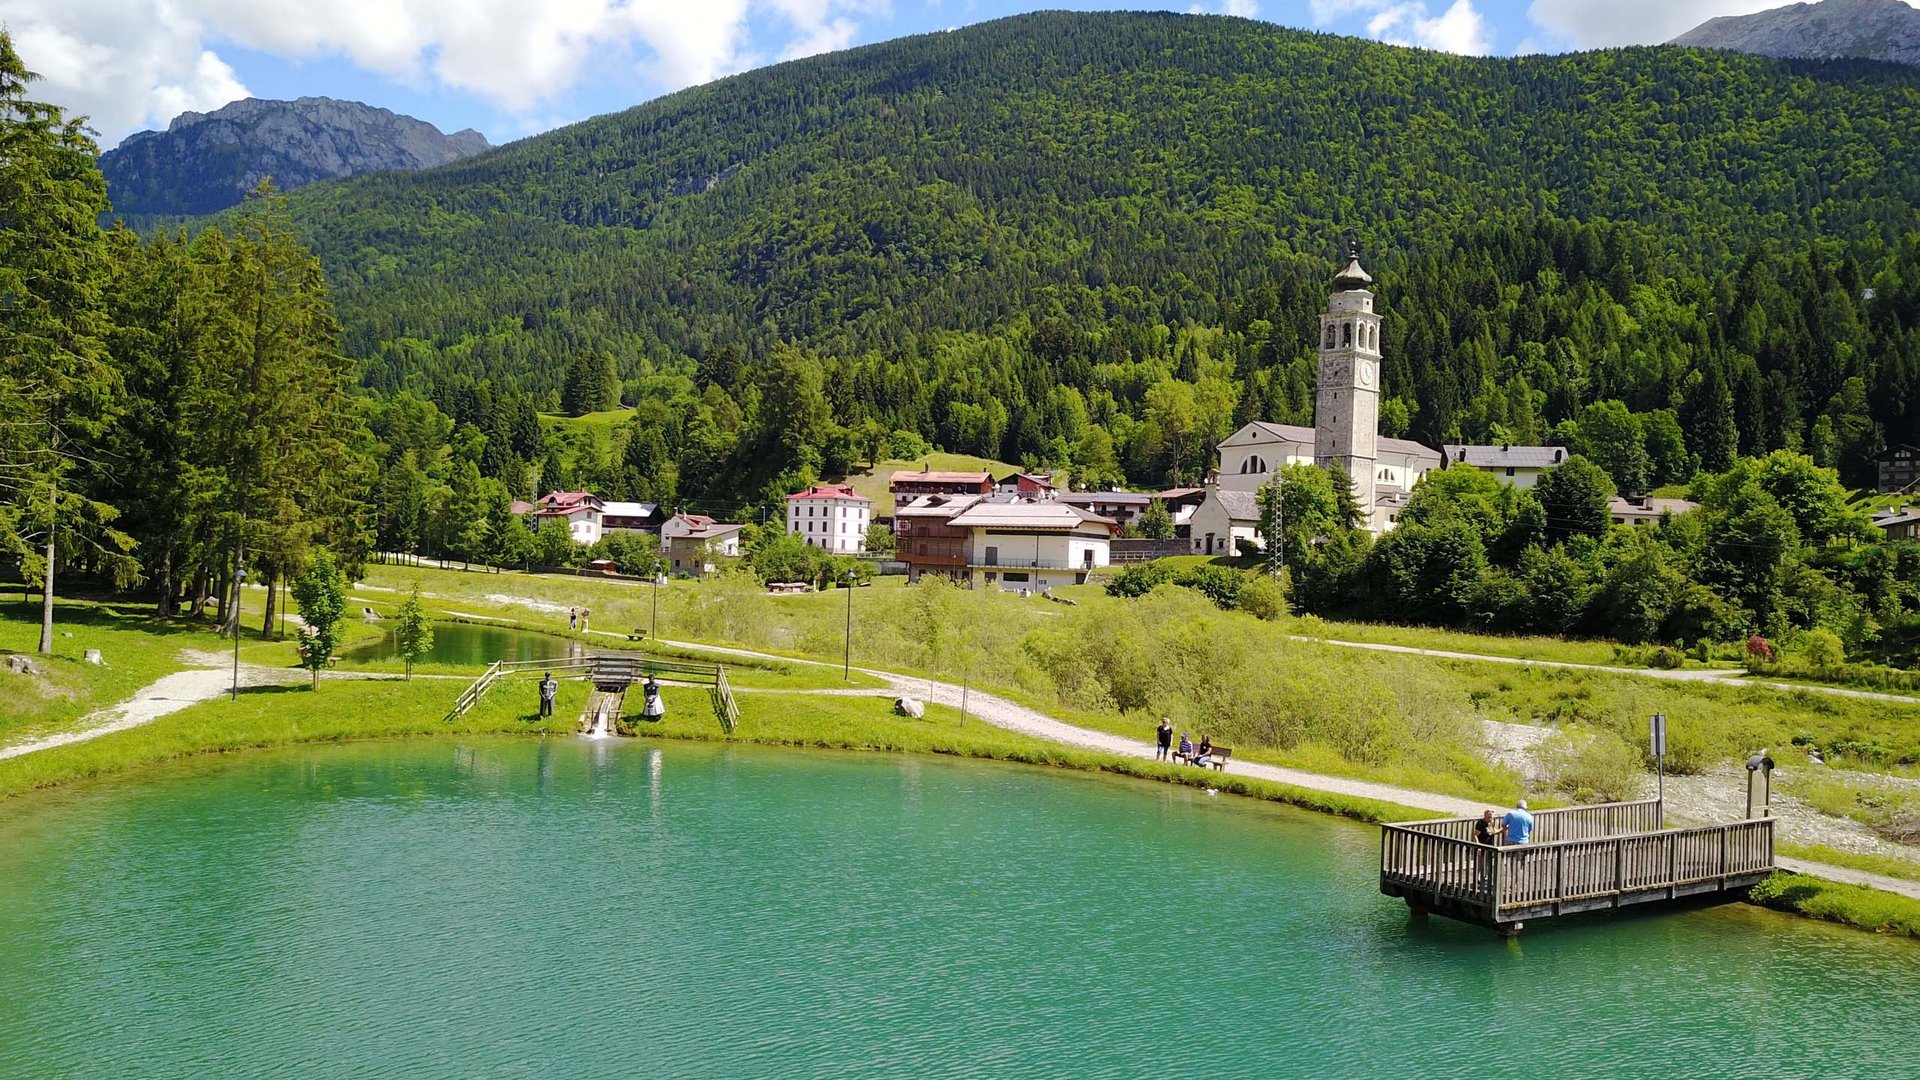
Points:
(58, 392)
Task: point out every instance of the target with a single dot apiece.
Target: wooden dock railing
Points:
(607, 670)
(1605, 856)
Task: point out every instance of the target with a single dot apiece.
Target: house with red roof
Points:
(833, 517)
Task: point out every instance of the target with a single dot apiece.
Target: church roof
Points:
(1263, 431)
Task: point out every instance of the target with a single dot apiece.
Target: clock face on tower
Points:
(1366, 373)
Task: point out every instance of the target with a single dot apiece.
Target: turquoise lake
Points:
(565, 908)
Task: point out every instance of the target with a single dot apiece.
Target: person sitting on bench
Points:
(1204, 756)
(1185, 753)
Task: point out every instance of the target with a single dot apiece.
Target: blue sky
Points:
(514, 67)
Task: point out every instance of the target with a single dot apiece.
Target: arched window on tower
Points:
(1329, 343)
(1346, 334)
(1366, 336)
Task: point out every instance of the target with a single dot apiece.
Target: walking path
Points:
(1012, 716)
(1722, 676)
(210, 677)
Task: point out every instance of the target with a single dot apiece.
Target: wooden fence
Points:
(607, 671)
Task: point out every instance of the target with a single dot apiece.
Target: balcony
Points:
(1004, 563)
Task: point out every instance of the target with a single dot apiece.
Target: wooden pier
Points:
(1582, 858)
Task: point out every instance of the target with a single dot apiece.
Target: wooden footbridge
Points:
(612, 675)
(1582, 858)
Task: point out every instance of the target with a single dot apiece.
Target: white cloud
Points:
(1245, 9)
(131, 63)
(1459, 29)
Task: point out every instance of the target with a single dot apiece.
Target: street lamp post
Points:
(847, 662)
(653, 629)
(239, 582)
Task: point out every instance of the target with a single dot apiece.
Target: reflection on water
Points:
(478, 646)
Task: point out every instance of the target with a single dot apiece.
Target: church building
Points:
(1346, 432)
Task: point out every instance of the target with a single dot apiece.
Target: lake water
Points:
(559, 908)
(476, 646)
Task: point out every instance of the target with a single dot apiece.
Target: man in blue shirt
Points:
(1519, 823)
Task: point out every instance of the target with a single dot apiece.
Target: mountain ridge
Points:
(206, 162)
(1885, 30)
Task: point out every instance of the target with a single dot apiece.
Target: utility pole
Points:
(846, 673)
(239, 582)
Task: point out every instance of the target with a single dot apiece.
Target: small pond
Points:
(475, 646)
(567, 908)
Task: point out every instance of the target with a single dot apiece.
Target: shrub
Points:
(1667, 658)
(1592, 766)
(1263, 598)
(1759, 653)
(1217, 583)
(1825, 650)
(1139, 580)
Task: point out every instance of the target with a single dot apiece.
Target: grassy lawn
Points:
(872, 482)
(136, 648)
(602, 421)
(1850, 905)
(1889, 866)
(1559, 650)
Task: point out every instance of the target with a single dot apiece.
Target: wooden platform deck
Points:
(1583, 858)
(612, 673)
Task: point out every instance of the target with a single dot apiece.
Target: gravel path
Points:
(1709, 675)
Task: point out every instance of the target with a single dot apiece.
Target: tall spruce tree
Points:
(58, 392)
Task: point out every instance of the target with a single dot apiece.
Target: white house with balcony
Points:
(833, 517)
(1032, 545)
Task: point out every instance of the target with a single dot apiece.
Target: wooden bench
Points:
(1219, 756)
(638, 634)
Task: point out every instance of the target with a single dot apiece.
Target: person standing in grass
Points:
(1518, 824)
(548, 690)
(573, 619)
(1163, 737)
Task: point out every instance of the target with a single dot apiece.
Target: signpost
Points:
(1658, 728)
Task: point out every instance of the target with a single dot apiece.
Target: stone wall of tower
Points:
(1346, 415)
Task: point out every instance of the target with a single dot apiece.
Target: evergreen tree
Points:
(413, 632)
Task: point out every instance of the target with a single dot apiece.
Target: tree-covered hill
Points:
(1147, 167)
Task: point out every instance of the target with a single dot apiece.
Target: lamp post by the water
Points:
(1658, 727)
(846, 672)
(659, 579)
(239, 582)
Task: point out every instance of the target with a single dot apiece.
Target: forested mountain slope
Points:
(1059, 185)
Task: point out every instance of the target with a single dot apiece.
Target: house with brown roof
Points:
(911, 483)
(925, 538)
(1899, 467)
(580, 510)
(692, 541)
(1037, 544)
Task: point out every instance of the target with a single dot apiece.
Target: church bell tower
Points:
(1346, 412)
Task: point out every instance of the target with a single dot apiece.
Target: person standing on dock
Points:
(1163, 738)
(1488, 831)
(548, 690)
(1518, 824)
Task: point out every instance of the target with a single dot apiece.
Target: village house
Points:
(1899, 469)
(924, 537)
(912, 483)
(1123, 508)
(1899, 523)
(1645, 509)
(580, 510)
(1029, 484)
(631, 517)
(1222, 520)
(692, 541)
(1181, 504)
(1519, 466)
(833, 517)
(1034, 545)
